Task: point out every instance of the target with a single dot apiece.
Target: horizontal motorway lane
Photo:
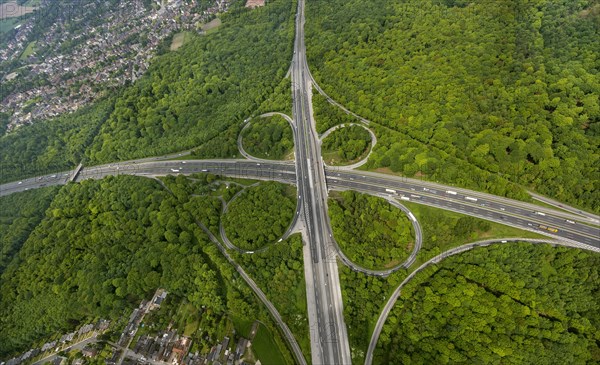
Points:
(403, 182)
(278, 171)
(511, 216)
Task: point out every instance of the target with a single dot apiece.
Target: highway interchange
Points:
(328, 336)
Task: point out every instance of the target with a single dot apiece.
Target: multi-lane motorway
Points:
(328, 335)
(329, 340)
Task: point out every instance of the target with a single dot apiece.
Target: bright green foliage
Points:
(346, 145)
(506, 304)
(190, 96)
(102, 247)
(370, 231)
(270, 138)
(364, 296)
(260, 215)
(485, 94)
(279, 272)
(20, 213)
(51, 146)
(266, 348)
(223, 145)
(327, 115)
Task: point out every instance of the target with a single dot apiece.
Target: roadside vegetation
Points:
(509, 304)
(495, 96)
(260, 215)
(20, 213)
(443, 230)
(279, 272)
(51, 146)
(103, 246)
(370, 231)
(269, 138)
(191, 96)
(346, 145)
(364, 296)
(327, 115)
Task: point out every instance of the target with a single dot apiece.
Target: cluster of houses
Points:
(64, 341)
(68, 70)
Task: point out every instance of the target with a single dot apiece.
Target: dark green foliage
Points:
(327, 115)
(102, 247)
(490, 95)
(223, 145)
(279, 272)
(506, 304)
(364, 296)
(190, 96)
(269, 138)
(260, 215)
(348, 144)
(20, 213)
(370, 231)
(53, 145)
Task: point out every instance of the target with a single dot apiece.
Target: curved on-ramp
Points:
(247, 124)
(263, 298)
(437, 259)
(356, 164)
(385, 273)
(230, 245)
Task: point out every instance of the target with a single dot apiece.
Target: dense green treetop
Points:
(346, 145)
(504, 304)
(270, 138)
(20, 213)
(103, 246)
(370, 231)
(481, 94)
(260, 215)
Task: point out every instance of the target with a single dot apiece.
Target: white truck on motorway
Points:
(471, 199)
(451, 192)
(404, 198)
(540, 213)
(174, 170)
(390, 191)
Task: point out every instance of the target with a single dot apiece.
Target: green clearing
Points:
(211, 26)
(180, 39)
(443, 230)
(28, 51)
(8, 24)
(266, 349)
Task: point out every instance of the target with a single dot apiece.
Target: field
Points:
(29, 50)
(266, 349)
(180, 39)
(7, 24)
(213, 24)
(255, 3)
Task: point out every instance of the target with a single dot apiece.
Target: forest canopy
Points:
(370, 231)
(492, 95)
(504, 304)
